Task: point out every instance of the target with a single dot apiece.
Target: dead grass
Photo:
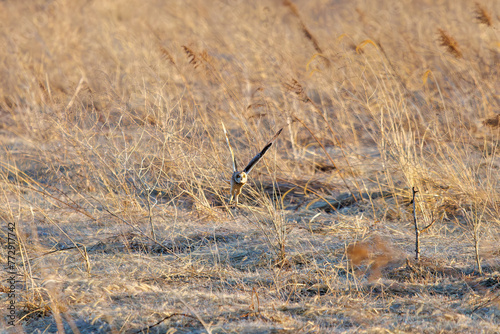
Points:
(114, 167)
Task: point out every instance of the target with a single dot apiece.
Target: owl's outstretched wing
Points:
(235, 166)
(259, 156)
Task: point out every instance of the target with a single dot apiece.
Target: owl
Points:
(239, 179)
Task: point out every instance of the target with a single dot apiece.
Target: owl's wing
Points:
(230, 149)
(259, 156)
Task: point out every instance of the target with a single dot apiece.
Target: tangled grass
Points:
(114, 168)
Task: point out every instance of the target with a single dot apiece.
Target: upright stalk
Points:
(417, 231)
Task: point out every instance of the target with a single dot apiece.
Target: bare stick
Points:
(417, 231)
(146, 329)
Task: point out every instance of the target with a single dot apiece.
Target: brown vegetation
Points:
(483, 16)
(115, 171)
(449, 43)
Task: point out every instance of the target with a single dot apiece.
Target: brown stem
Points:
(417, 231)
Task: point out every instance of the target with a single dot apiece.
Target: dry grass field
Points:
(114, 168)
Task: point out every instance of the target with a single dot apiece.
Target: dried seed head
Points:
(449, 43)
(483, 16)
(193, 59)
(166, 55)
(295, 87)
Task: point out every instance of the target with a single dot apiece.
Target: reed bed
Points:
(114, 168)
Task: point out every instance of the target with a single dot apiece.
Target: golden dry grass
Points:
(114, 167)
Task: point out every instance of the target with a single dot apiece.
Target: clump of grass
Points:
(449, 43)
(295, 87)
(116, 177)
(482, 15)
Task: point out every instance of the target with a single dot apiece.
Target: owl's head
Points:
(240, 177)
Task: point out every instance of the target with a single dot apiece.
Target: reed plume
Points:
(449, 43)
(295, 87)
(166, 55)
(192, 57)
(482, 15)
